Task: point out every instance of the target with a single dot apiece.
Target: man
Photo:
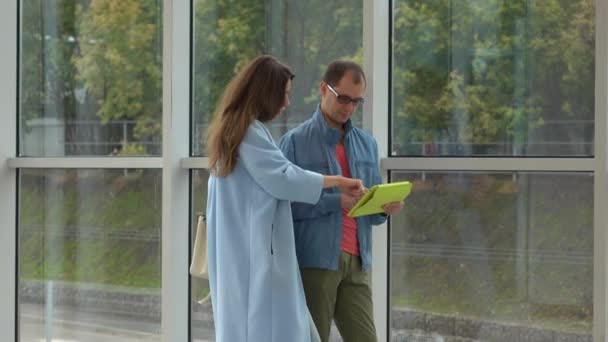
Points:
(334, 250)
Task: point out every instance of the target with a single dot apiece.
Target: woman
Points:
(255, 282)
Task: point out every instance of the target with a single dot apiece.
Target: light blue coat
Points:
(255, 283)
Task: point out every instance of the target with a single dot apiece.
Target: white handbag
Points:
(199, 266)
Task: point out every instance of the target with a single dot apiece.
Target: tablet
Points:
(379, 195)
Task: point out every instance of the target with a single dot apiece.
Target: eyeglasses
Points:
(345, 99)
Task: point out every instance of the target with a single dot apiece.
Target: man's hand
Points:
(392, 208)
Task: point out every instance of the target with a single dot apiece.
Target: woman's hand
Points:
(352, 187)
(348, 201)
(349, 186)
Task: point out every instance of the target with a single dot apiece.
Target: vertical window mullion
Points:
(8, 177)
(375, 120)
(175, 202)
(600, 328)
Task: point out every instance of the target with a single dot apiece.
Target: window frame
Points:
(8, 176)
(596, 164)
(175, 187)
(176, 164)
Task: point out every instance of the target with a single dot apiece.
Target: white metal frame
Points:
(375, 120)
(176, 187)
(195, 163)
(600, 188)
(8, 176)
(87, 162)
(176, 165)
(490, 164)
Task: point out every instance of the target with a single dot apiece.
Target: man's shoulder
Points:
(363, 135)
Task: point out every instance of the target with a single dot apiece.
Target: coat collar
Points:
(330, 135)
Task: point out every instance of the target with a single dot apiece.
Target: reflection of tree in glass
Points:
(92, 68)
(47, 75)
(485, 77)
(497, 247)
(91, 226)
(120, 61)
(307, 35)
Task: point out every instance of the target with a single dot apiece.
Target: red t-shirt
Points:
(350, 244)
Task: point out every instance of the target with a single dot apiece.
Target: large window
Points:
(495, 110)
(497, 248)
(89, 254)
(490, 77)
(306, 35)
(89, 237)
(90, 80)
(508, 253)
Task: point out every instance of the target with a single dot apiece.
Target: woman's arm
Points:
(281, 178)
(350, 186)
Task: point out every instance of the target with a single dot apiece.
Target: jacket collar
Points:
(330, 135)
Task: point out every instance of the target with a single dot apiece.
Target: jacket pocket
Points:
(366, 171)
(364, 163)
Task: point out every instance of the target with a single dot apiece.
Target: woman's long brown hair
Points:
(256, 92)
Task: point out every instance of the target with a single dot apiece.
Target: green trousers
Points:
(344, 296)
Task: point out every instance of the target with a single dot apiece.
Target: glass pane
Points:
(493, 78)
(89, 255)
(90, 78)
(494, 257)
(307, 35)
(201, 313)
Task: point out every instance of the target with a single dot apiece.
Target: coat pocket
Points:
(272, 239)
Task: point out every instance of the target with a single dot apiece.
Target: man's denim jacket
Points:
(318, 227)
